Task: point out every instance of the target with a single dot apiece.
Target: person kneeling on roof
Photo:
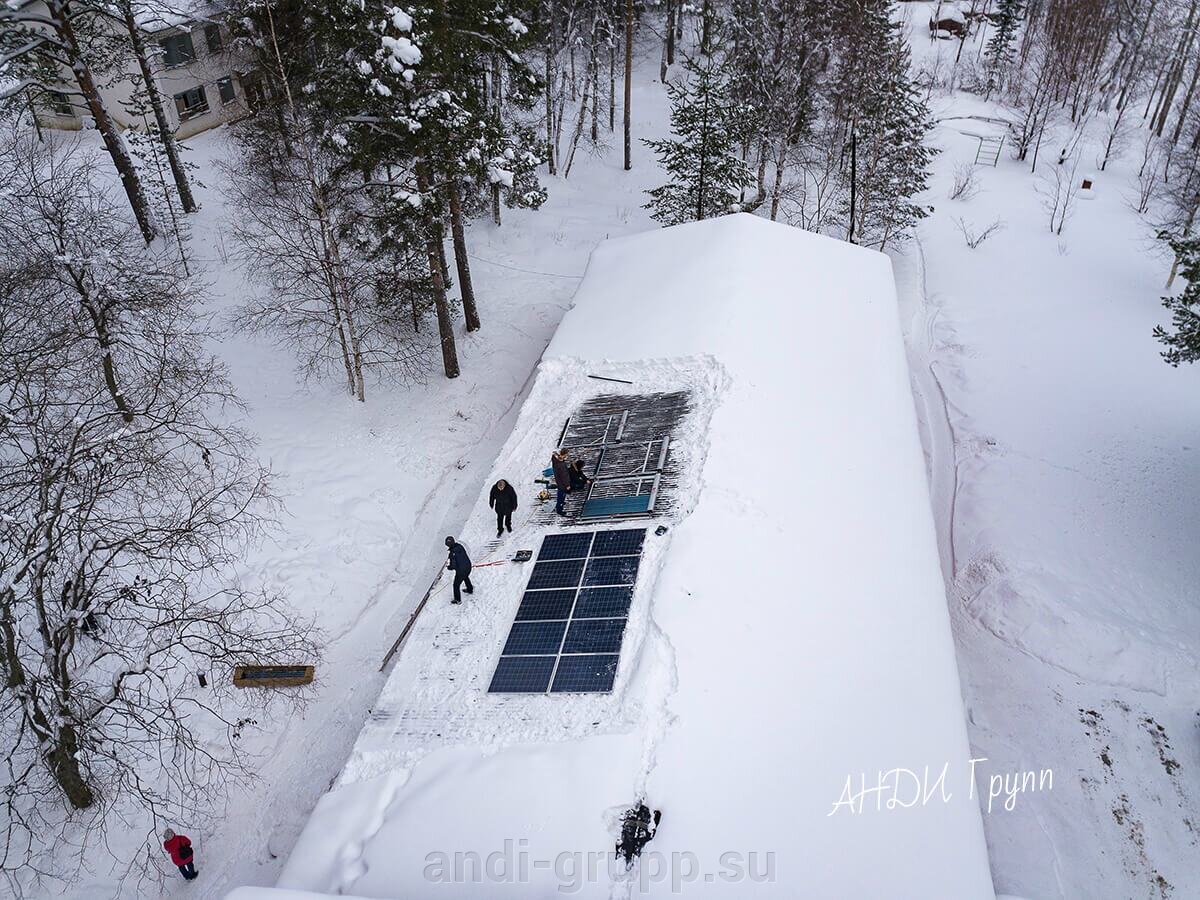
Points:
(577, 476)
(503, 499)
(460, 564)
(562, 479)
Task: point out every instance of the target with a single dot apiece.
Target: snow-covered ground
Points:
(1064, 471)
(1060, 450)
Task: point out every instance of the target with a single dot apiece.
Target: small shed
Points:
(948, 18)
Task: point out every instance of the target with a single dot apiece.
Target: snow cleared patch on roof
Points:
(787, 635)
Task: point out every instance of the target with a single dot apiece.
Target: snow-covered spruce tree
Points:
(1183, 340)
(703, 159)
(883, 122)
(1005, 19)
(126, 493)
(425, 70)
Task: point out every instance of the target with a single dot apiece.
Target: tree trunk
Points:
(104, 341)
(64, 764)
(439, 229)
(497, 112)
(60, 16)
(612, 81)
(441, 305)
(706, 23)
(165, 133)
(853, 181)
(594, 76)
(463, 265)
(628, 82)
(662, 64)
(777, 187)
(1176, 72)
(346, 303)
(1186, 105)
(671, 4)
(550, 50)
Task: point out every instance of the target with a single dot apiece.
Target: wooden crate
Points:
(272, 676)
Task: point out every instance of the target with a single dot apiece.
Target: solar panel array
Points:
(568, 629)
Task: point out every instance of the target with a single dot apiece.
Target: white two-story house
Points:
(197, 73)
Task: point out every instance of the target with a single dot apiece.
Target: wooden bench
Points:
(272, 676)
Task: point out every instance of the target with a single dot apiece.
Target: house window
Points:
(59, 103)
(177, 49)
(212, 37)
(191, 103)
(252, 86)
(225, 89)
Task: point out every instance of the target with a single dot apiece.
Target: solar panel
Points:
(585, 674)
(599, 603)
(536, 638)
(594, 636)
(619, 543)
(547, 605)
(565, 546)
(522, 675)
(612, 570)
(566, 636)
(557, 574)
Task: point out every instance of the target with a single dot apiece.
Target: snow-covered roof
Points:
(949, 12)
(788, 635)
(165, 16)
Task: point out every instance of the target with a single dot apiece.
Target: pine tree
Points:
(1183, 344)
(703, 160)
(882, 122)
(998, 53)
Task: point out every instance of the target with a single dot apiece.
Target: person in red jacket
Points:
(180, 850)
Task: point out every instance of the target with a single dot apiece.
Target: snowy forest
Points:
(376, 249)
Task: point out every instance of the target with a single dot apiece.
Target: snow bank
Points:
(788, 665)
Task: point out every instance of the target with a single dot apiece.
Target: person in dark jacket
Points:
(460, 564)
(179, 848)
(577, 476)
(503, 499)
(562, 479)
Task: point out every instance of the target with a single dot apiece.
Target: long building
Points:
(740, 622)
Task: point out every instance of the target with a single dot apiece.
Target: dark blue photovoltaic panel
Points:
(547, 605)
(522, 675)
(535, 638)
(612, 570)
(625, 542)
(567, 633)
(595, 636)
(565, 546)
(558, 574)
(585, 674)
(599, 603)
